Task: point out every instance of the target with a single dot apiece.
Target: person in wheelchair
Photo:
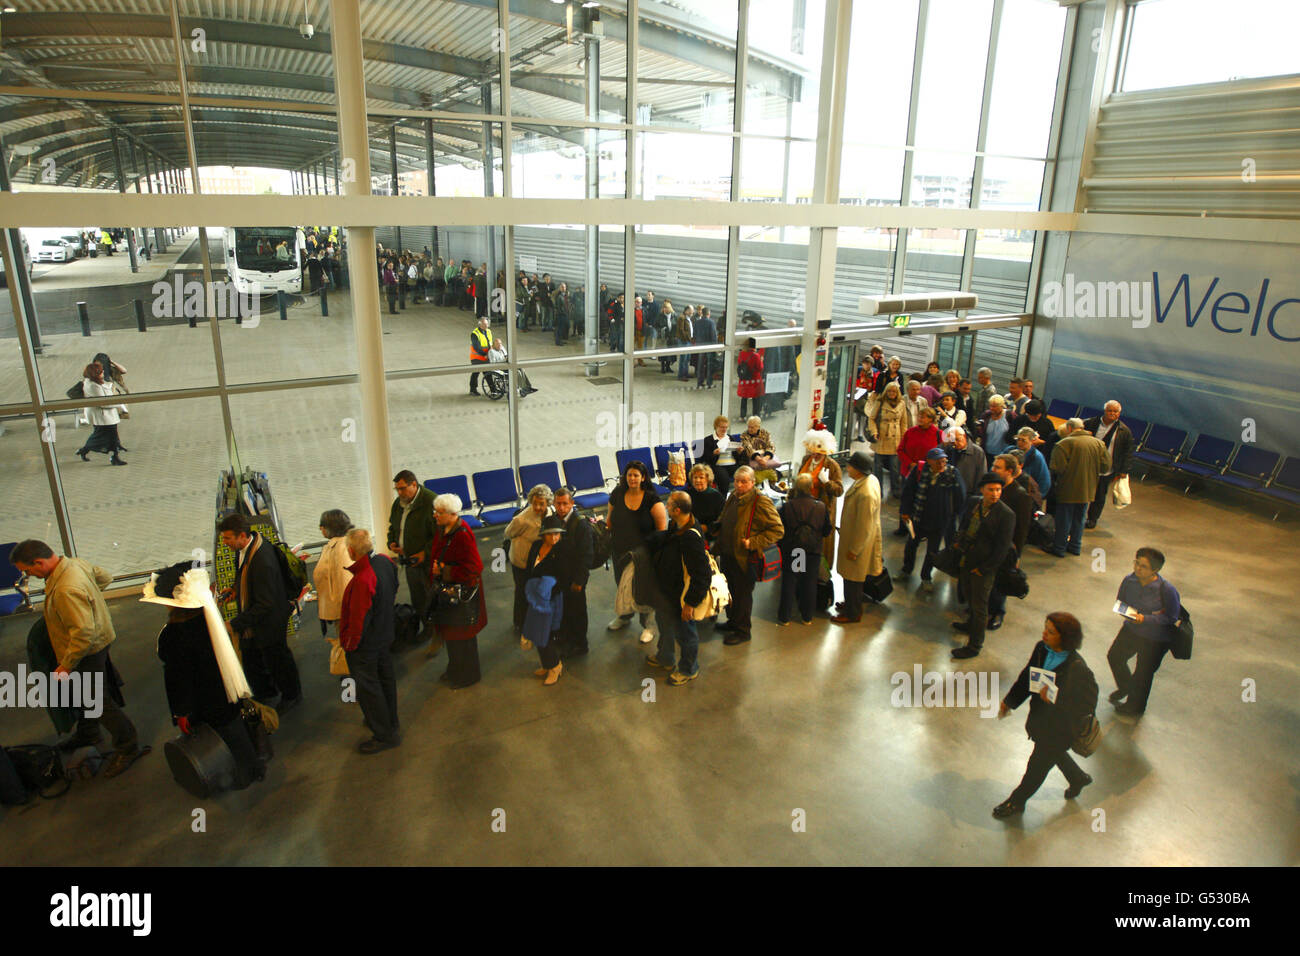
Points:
(496, 382)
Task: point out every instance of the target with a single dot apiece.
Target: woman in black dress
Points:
(635, 514)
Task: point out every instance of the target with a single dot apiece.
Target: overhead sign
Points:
(900, 321)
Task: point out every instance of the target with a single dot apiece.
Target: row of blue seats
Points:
(1246, 467)
(498, 492)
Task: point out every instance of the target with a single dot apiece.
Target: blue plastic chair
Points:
(9, 579)
(584, 474)
(1087, 412)
(1138, 427)
(1163, 447)
(629, 455)
(1285, 486)
(456, 485)
(1251, 469)
(1060, 408)
(1208, 457)
(547, 474)
(496, 487)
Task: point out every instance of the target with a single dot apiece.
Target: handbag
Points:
(1120, 493)
(1088, 739)
(948, 561)
(878, 587)
(716, 597)
(41, 770)
(1012, 582)
(338, 659)
(456, 605)
(78, 390)
(1181, 645)
(767, 565)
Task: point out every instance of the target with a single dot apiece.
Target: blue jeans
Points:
(673, 628)
(1069, 527)
(878, 465)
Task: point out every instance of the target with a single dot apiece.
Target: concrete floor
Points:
(587, 772)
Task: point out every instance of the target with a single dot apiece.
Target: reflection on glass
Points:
(880, 74)
(686, 65)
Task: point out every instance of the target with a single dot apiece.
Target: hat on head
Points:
(552, 524)
(990, 479)
(934, 453)
(860, 461)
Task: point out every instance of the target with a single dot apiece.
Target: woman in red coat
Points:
(749, 375)
(454, 559)
(917, 442)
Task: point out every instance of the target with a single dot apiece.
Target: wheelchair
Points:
(496, 384)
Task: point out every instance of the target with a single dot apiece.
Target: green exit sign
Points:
(899, 321)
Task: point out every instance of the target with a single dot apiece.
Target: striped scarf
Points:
(927, 480)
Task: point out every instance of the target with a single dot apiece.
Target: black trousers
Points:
(573, 624)
(114, 718)
(418, 583)
(740, 581)
(521, 599)
(1135, 685)
(933, 545)
(800, 588)
(758, 404)
(550, 654)
(270, 666)
(977, 588)
(1041, 761)
(1099, 502)
(462, 661)
(248, 765)
(853, 596)
(372, 669)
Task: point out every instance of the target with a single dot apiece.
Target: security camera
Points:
(306, 31)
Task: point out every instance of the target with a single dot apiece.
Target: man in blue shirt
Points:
(1156, 604)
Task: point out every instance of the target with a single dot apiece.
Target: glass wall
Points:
(463, 105)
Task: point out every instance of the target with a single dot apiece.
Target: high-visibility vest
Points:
(483, 340)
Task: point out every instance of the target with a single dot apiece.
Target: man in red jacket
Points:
(366, 634)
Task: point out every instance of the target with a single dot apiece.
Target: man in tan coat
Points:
(81, 631)
(1078, 462)
(749, 525)
(860, 548)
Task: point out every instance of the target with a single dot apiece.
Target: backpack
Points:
(716, 597)
(808, 538)
(745, 370)
(602, 542)
(293, 571)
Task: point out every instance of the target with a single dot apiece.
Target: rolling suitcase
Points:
(201, 762)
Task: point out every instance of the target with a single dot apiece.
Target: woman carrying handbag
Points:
(1061, 711)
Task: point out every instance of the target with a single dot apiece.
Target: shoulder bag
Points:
(716, 597)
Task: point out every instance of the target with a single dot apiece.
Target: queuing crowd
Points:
(976, 475)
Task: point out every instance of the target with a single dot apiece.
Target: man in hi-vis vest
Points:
(480, 340)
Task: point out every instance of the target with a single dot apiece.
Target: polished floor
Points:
(796, 726)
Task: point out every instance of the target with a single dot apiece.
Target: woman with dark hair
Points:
(749, 376)
(548, 576)
(389, 277)
(1058, 711)
(635, 514)
(104, 418)
(331, 574)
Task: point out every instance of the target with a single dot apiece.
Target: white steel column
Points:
(826, 189)
(350, 96)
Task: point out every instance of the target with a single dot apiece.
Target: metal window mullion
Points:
(24, 312)
(633, 191)
(731, 297)
(905, 196)
(1068, 39)
(204, 255)
(981, 141)
(507, 127)
(512, 374)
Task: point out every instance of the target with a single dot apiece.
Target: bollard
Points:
(284, 304)
(324, 300)
(139, 315)
(85, 318)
